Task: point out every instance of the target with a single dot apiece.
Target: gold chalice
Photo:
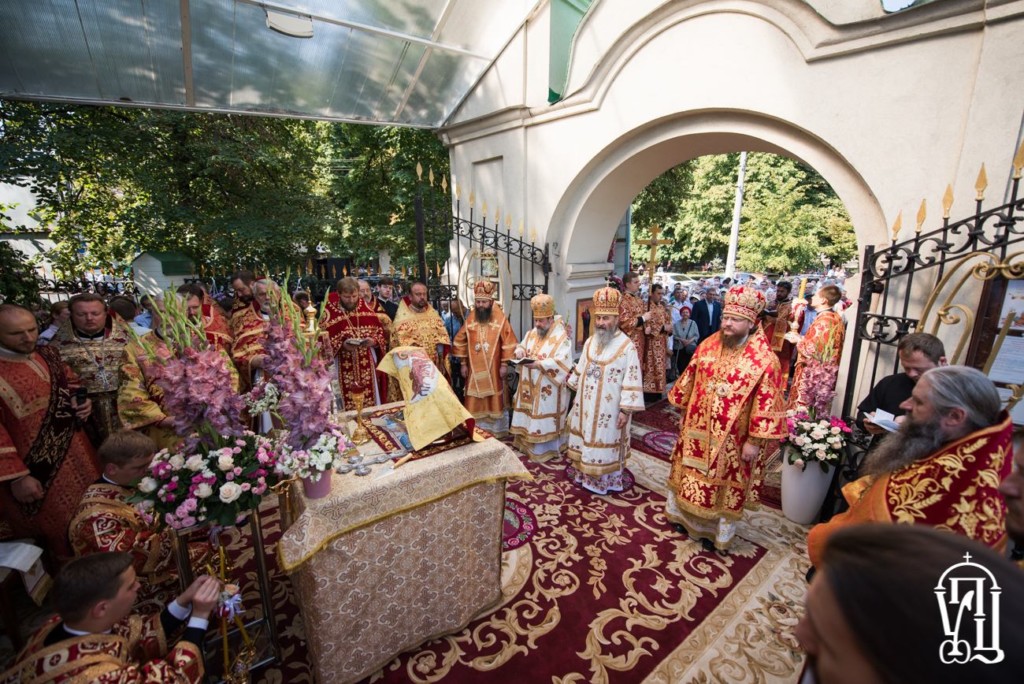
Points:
(360, 435)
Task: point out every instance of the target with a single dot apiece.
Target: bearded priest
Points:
(609, 389)
(358, 341)
(538, 420)
(485, 343)
(732, 405)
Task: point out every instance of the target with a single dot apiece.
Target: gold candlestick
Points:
(360, 435)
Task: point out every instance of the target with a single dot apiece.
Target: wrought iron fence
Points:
(963, 267)
(56, 290)
(470, 237)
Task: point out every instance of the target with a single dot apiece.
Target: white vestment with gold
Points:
(538, 420)
(607, 381)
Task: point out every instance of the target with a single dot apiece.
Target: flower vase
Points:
(317, 489)
(803, 491)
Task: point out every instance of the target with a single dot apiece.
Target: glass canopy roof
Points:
(407, 62)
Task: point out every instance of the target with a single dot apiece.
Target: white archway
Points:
(588, 213)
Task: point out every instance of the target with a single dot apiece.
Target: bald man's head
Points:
(18, 329)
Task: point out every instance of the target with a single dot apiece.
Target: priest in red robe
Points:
(358, 342)
(731, 399)
(46, 460)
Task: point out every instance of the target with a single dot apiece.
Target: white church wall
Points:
(888, 111)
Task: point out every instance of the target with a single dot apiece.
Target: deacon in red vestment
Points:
(777, 323)
(732, 406)
(46, 460)
(107, 521)
(358, 341)
(821, 346)
(633, 314)
(203, 310)
(657, 328)
(95, 637)
(248, 329)
(942, 468)
(485, 344)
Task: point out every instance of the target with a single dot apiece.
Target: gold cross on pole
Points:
(653, 243)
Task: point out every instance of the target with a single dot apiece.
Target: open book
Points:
(884, 420)
(520, 362)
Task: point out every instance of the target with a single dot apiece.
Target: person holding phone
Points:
(46, 460)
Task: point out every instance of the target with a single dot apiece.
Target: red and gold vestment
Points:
(631, 308)
(39, 437)
(97, 363)
(135, 652)
(775, 329)
(955, 489)
(216, 326)
(357, 366)
(823, 344)
(249, 332)
(106, 521)
(655, 347)
(728, 397)
(487, 347)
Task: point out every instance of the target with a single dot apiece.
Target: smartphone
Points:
(81, 394)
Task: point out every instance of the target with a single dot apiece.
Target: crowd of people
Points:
(80, 419)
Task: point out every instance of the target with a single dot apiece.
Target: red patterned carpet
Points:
(604, 592)
(596, 589)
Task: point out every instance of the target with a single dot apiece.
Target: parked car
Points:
(669, 280)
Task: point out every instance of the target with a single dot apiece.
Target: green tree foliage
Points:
(375, 184)
(225, 190)
(18, 281)
(791, 216)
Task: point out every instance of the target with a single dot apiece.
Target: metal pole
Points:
(421, 238)
(734, 237)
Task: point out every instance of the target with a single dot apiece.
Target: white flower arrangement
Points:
(326, 454)
(815, 440)
(263, 398)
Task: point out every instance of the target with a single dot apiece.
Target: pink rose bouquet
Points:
(213, 484)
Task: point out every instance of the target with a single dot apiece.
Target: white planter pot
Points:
(803, 491)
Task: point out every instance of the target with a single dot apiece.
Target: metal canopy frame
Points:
(401, 62)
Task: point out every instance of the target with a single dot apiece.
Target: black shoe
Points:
(680, 529)
(708, 545)
(810, 574)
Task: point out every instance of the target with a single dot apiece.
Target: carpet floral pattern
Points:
(599, 590)
(607, 592)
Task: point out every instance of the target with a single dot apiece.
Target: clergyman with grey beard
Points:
(942, 468)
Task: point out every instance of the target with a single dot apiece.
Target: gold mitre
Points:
(606, 302)
(543, 306)
(745, 302)
(484, 289)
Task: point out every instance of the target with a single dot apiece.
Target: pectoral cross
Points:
(653, 243)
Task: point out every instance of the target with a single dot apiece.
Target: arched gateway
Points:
(889, 109)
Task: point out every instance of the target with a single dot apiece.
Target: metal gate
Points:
(456, 249)
(962, 281)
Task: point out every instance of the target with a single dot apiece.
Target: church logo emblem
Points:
(968, 597)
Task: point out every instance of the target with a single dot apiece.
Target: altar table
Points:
(384, 564)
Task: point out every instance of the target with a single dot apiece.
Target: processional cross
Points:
(653, 243)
